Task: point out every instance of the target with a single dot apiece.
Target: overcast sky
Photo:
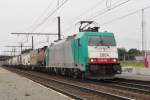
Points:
(25, 15)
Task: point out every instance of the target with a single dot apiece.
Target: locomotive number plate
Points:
(104, 55)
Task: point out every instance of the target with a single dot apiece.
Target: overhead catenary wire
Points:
(44, 27)
(38, 18)
(103, 11)
(48, 24)
(47, 17)
(88, 10)
(50, 14)
(119, 18)
(43, 13)
(57, 8)
(78, 18)
(124, 16)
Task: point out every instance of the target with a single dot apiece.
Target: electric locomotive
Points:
(88, 54)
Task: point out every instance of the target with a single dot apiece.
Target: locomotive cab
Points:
(97, 53)
(102, 54)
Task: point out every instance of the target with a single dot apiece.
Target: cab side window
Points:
(79, 43)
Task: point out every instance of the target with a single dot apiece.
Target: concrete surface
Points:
(134, 77)
(135, 73)
(15, 87)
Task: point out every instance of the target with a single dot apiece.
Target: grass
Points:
(132, 63)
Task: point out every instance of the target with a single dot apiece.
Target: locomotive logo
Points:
(101, 48)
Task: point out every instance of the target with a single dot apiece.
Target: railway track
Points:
(81, 90)
(133, 86)
(129, 86)
(133, 81)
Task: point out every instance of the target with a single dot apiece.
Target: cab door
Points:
(76, 46)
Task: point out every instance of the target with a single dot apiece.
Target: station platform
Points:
(134, 73)
(134, 77)
(15, 87)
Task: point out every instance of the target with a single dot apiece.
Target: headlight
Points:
(114, 60)
(92, 60)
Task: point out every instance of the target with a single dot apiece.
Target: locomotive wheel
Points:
(32, 68)
(75, 73)
(82, 75)
(63, 71)
(69, 73)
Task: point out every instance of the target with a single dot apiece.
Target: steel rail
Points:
(144, 89)
(138, 86)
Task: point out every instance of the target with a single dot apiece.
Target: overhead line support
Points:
(59, 29)
(35, 33)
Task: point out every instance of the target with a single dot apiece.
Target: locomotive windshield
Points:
(102, 41)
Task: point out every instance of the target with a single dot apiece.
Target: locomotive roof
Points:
(79, 35)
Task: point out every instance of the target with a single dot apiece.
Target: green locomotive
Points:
(88, 54)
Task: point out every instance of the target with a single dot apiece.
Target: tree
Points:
(134, 52)
(121, 53)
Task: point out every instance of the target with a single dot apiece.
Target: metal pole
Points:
(143, 35)
(14, 52)
(59, 29)
(21, 47)
(32, 43)
(142, 26)
(11, 55)
(21, 53)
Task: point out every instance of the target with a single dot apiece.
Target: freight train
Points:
(88, 54)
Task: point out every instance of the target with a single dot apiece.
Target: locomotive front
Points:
(102, 55)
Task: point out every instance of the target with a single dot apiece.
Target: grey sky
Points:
(22, 15)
